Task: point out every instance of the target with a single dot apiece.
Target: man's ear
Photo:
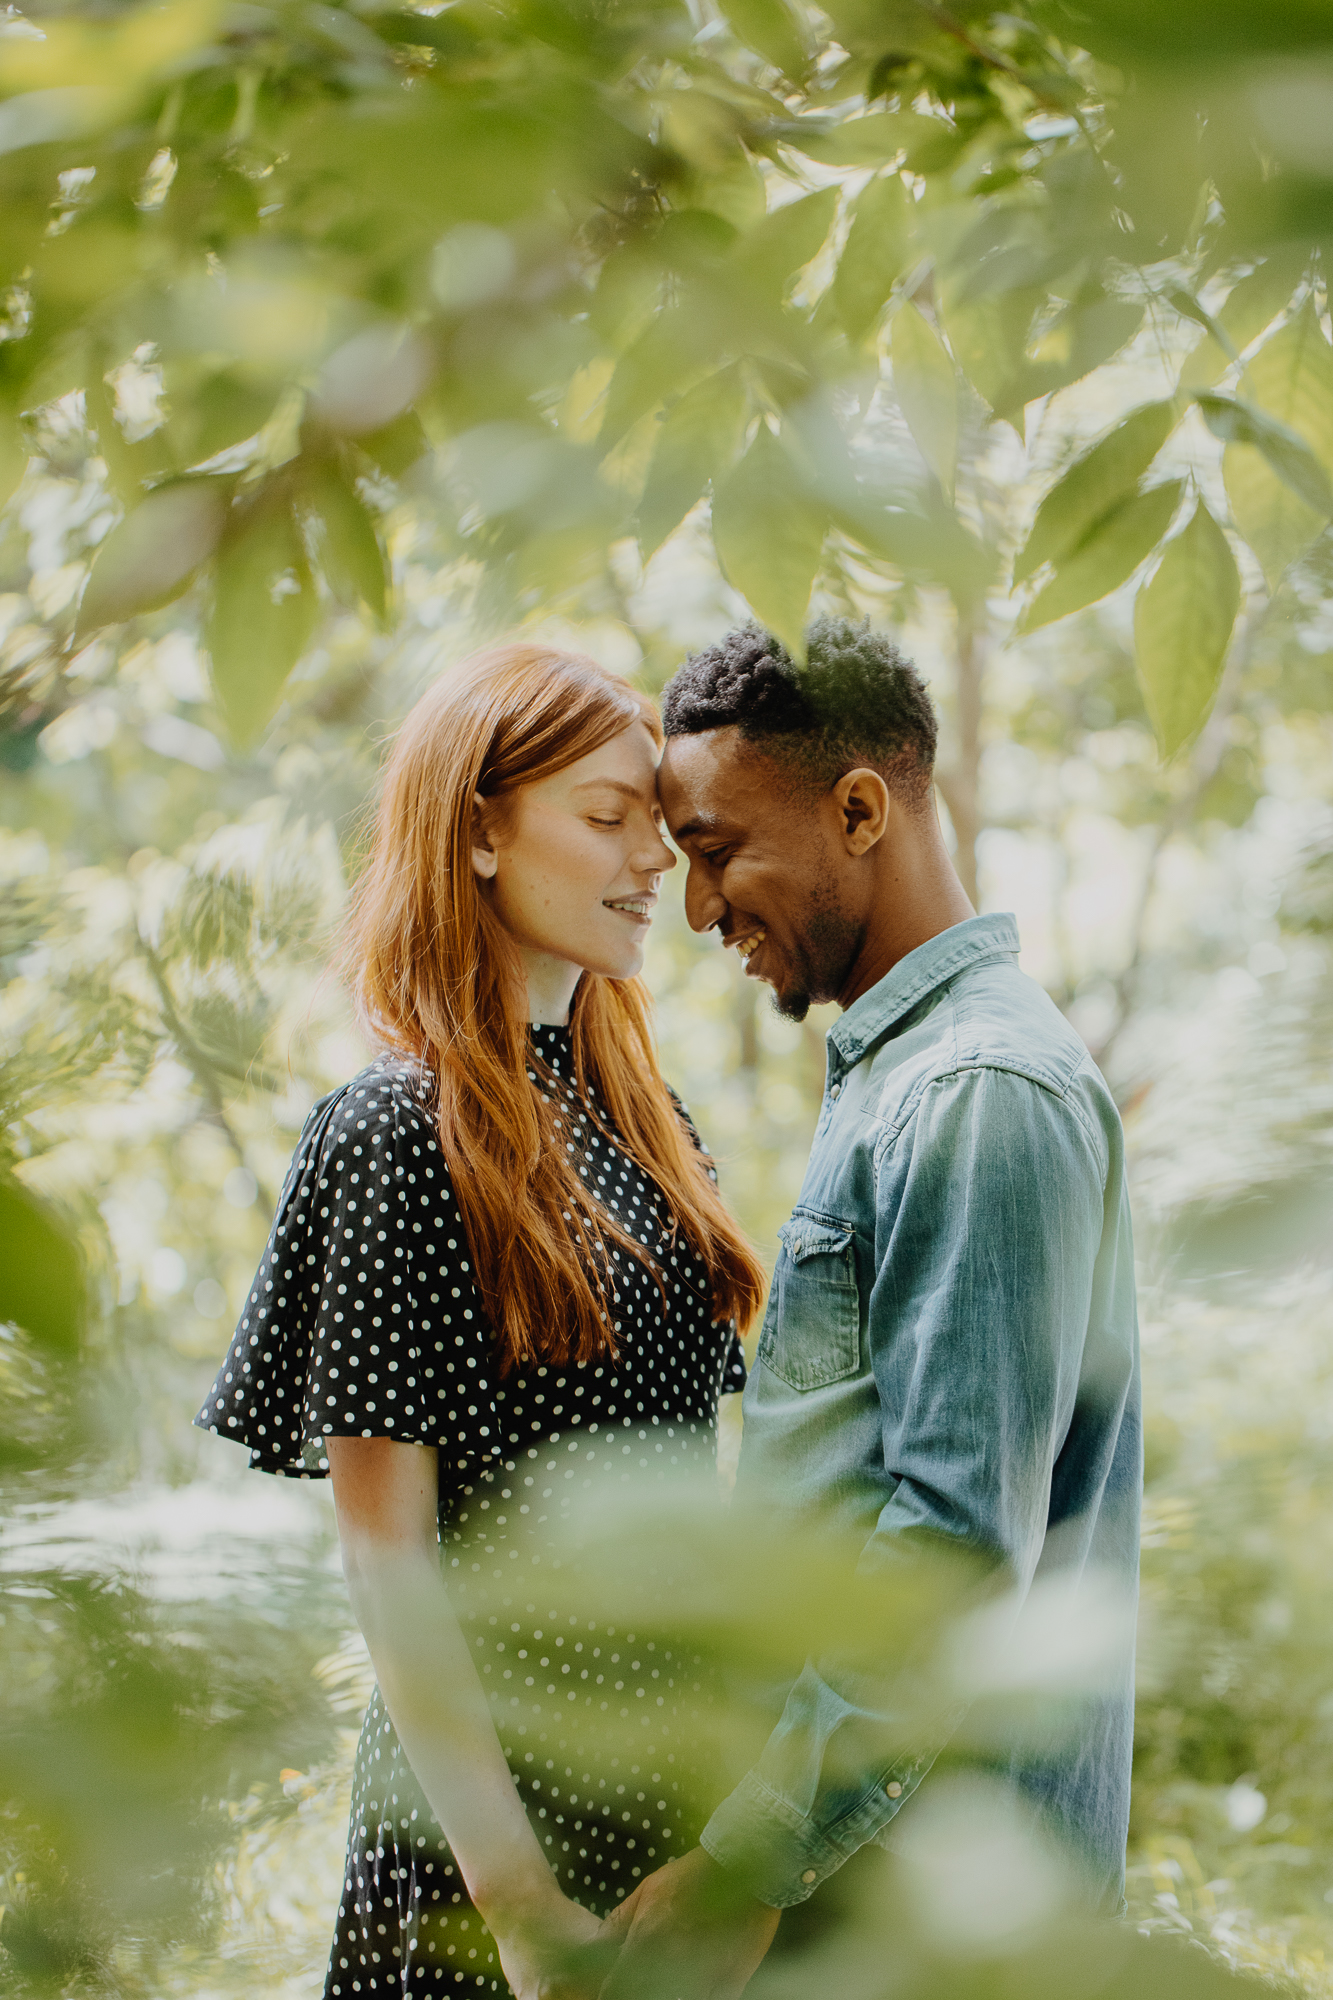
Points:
(862, 801)
(485, 860)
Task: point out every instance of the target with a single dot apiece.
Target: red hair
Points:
(438, 978)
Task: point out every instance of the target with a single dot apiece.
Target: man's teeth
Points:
(747, 946)
(638, 907)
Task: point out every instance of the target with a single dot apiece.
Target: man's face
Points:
(767, 869)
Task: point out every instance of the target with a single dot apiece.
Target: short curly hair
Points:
(857, 700)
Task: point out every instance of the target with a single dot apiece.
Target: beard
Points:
(823, 954)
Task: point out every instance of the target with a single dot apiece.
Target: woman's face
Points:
(573, 862)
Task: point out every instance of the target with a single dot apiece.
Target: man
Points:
(950, 1347)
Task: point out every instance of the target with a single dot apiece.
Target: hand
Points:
(544, 1949)
(690, 1933)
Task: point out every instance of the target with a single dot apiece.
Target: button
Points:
(895, 1790)
(809, 1875)
(836, 1090)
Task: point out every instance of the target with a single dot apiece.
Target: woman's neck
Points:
(550, 983)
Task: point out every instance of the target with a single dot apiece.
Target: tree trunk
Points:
(960, 786)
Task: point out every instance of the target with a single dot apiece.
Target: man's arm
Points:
(989, 1221)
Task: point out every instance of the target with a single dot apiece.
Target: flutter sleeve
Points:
(364, 1319)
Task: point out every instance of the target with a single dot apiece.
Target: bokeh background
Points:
(338, 333)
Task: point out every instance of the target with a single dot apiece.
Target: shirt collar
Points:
(870, 1018)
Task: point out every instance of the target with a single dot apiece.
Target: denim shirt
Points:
(950, 1346)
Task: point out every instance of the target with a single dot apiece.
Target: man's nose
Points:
(704, 907)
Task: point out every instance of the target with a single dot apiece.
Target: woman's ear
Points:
(485, 860)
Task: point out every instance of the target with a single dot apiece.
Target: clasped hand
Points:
(686, 1933)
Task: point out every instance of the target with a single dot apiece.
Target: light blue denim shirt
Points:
(951, 1346)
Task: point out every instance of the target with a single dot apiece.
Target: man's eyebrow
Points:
(702, 823)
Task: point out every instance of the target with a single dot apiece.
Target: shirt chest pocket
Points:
(812, 1330)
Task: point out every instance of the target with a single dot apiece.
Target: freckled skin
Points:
(842, 883)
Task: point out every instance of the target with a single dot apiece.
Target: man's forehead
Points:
(709, 782)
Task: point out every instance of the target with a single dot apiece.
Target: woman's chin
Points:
(617, 965)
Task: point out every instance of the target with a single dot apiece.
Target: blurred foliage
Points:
(335, 339)
(571, 270)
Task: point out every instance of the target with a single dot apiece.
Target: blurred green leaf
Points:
(13, 457)
(927, 386)
(769, 538)
(771, 28)
(876, 253)
(1252, 304)
(43, 1281)
(1291, 458)
(1278, 496)
(699, 438)
(665, 356)
(1183, 619)
(396, 447)
(1093, 485)
(785, 241)
(1106, 557)
(263, 613)
(869, 141)
(150, 558)
(348, 548)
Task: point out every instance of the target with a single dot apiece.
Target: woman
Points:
(500, 1272)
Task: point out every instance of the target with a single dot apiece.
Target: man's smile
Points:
(748, 943)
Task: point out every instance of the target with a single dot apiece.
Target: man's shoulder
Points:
(991, 1016)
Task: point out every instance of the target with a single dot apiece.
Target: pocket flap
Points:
(804, 1237)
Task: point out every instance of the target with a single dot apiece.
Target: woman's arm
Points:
(386, 1498)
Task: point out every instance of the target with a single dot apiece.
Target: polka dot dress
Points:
(364, 1320)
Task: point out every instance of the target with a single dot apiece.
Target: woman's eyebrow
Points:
(611, 785)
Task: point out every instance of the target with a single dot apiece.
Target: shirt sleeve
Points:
(989, 1219)
(364, 1319)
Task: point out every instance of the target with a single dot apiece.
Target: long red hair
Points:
(438, 978)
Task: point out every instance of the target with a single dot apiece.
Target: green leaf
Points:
(1183, 620)
(1252, 304)
(1189, 307)
(1106, 557)
(1238, 422)
(663, 358)
(769, 27)
(871, 141)
(263, 613)
(769, 538)
(931, 547)
(876, 253)
(43, 1281)
(927, 386)
(699, 438)
(1290, 380)
(1095, 484)
(348, 547)
(990, 339)
(1278, 526)
(151, 556)
(13, 455)
(770, 254)
(398, 446)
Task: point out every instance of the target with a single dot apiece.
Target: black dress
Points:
(364, 1320)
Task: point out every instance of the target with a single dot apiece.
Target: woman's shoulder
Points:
(392, 1091)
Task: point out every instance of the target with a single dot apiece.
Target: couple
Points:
(501, 1272)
